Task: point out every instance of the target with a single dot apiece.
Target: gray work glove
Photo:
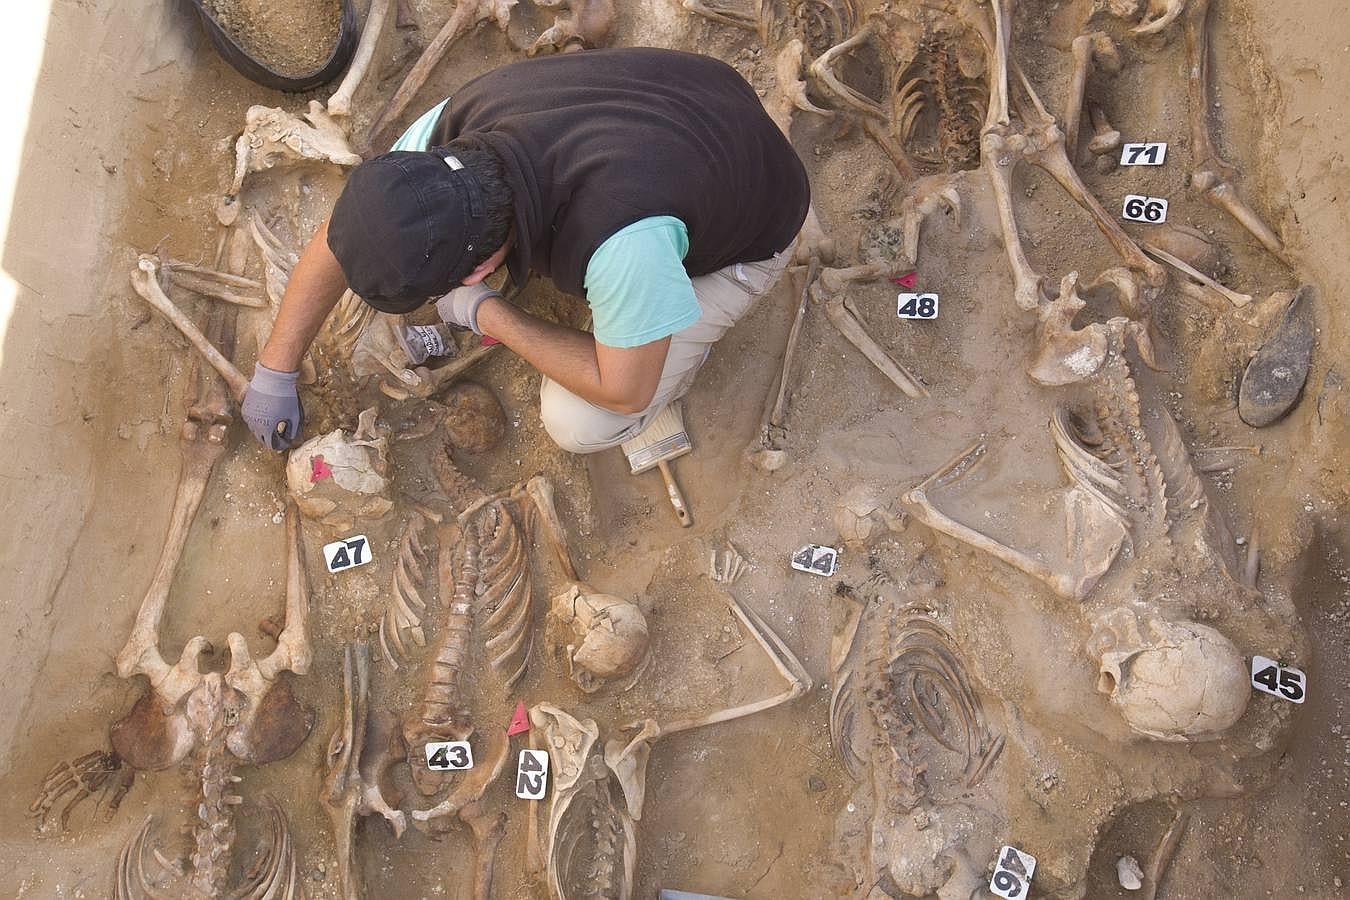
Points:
(271, 407)
(460, 306)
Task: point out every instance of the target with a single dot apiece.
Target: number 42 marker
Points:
(532, 775)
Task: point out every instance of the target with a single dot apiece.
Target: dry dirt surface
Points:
(293, 38)
(1047, 647)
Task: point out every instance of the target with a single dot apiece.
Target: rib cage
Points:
(933, 82)
(593, 838)
(403, 614)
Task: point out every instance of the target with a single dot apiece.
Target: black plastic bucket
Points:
(254, 70)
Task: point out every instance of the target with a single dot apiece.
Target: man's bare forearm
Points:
(316, 285)
(574, 360)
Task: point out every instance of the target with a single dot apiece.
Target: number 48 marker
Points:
(917, 306)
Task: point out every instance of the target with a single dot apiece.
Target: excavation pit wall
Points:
(121, 138)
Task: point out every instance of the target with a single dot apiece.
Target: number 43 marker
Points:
(532, 775)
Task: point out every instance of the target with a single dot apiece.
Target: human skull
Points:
(339, 477)
(602, 636)
(1174, 681)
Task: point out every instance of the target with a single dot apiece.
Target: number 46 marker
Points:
(1012, 873)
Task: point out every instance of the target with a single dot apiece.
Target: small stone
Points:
(1129, 873)
(815, 784)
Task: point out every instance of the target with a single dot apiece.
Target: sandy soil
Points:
(291, 38)
(128, 148)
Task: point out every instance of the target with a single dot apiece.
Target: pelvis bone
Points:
(272, 137)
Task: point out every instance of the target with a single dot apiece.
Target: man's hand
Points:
(271, 401)
(460, 306)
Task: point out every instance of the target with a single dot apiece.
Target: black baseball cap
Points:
(407, 227)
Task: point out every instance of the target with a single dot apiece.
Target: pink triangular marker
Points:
(488, 341)
(907, 279)
(318, 470)
(519, 722)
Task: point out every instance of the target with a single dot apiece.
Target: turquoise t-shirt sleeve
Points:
(418, 135)
(636, 284)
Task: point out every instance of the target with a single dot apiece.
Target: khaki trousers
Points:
(724, 297)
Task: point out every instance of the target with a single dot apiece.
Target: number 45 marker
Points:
(1272, 678)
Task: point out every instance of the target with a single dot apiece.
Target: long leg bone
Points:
(202, 442)
(466, 14)
(917, 502)
(1086, 48)
(273, 725)
(844, 319)
(723, 14)
(1001, 149)
(146, 282)
(1046, 150)
(351, 786)
(783, 659)
(1237, 299)
(1213, 174)
(340, 104)
(926, 196)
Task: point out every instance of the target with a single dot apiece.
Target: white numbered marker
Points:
(1282, 681)
(1150, 210)
(1012, 873)
(447, 756)
(347, 554)
(816, 559)
(917, 306)
(1151, 154)
(532, 775)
